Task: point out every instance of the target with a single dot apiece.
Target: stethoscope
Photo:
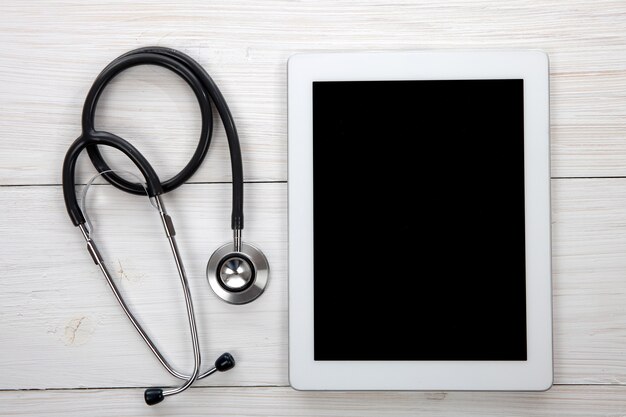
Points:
(237, 272)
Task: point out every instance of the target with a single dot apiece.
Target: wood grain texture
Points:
(62, 329)
(51, 51)
(57, 309)
(589, 289)
(588, 401)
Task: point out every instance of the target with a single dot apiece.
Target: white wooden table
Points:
(65, 347)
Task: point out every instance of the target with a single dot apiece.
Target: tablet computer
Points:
(419, 221)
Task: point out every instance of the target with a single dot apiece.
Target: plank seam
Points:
(289, 386)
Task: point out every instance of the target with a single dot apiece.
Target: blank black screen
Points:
(442, 277)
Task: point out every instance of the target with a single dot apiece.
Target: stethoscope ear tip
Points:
(153, 396)
(225, 362)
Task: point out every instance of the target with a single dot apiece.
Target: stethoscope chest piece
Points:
(238, 277)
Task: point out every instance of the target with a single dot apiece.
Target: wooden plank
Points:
(57, 310)
(62, 327)
(588, 230)
(53, 50)
(274, 401)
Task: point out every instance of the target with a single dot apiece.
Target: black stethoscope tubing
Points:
(205, 90)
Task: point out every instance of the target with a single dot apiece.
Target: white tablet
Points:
(419, 221)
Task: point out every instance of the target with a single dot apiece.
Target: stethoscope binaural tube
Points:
(153, 187)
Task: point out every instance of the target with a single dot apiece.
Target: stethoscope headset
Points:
(237, 272)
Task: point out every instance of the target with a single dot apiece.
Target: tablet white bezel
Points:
(307, 374)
